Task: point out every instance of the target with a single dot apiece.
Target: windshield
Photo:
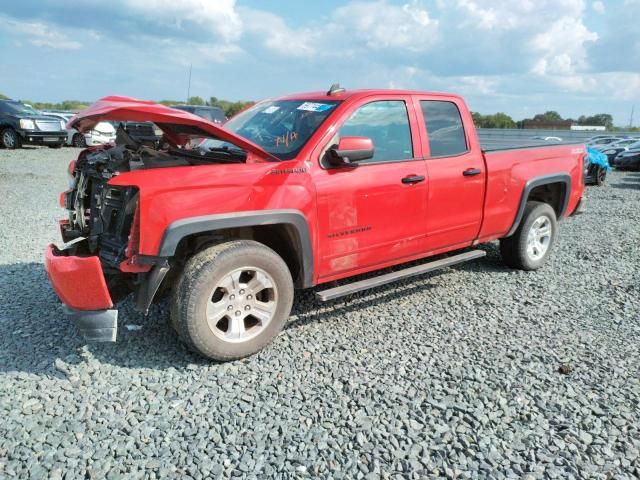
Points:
(17, 108)
(280, 127)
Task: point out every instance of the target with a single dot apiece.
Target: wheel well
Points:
(281, 238)
(551, 193)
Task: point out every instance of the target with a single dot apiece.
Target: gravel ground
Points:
(453, 374)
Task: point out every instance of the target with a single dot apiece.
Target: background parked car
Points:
(604, 141)
(213, 114)
(596, 167)
(144, 132)
(613, 149)
(102, 133)
(22, 125)
(629, 159)
(548, 139)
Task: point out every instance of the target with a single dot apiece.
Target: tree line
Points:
(551, 117)
(229, 108)
(495, 120)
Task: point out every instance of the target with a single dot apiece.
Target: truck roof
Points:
(359, 93)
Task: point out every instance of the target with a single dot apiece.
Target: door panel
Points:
(368, 215)
(456, 175)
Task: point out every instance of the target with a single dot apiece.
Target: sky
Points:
(520, 57)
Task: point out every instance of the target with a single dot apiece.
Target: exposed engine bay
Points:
(101, 215)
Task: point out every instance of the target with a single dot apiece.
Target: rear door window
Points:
(444, 128)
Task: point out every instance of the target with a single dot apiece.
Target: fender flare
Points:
(180, 229)
(563, 178)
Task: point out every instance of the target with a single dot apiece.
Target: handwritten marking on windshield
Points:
(286, 139)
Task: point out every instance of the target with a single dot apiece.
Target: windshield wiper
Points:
(233, 152)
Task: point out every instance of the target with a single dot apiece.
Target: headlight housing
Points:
(27, 124)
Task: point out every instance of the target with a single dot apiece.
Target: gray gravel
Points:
(454, 374)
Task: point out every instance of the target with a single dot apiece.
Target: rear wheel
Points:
(232, 299)
(10, 139)
(78, 140)
(601, 176)
(531, 244)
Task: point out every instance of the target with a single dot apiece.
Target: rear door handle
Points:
(413, 179)
(470, 172)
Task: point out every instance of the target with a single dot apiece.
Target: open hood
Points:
(179, 126)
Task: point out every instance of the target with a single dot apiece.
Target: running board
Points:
(341, 291)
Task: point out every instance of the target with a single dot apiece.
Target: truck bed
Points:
(493, 144)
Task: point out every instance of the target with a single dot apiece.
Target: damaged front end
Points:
(98, 265)
(99, 262)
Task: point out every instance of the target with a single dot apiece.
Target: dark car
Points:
(629, 159)
(604, 141)
(213, 114)
(22, 125)
(613, 149)
(144, 132)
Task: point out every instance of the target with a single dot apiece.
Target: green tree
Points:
(603, 119)
(229, 108)
(496, 120)
(550, 116)
(196, 101)
(499, 120)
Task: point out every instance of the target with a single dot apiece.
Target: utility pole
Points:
(631, 117)
(189, 84)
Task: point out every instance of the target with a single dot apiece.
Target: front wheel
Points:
(10, 138)
(601, 176)
(531, 244)
(232, 299)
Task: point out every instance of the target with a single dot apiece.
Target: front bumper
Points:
(35, 137)
(80, 284)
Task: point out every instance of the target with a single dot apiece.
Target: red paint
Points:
(78, 281)
(360, 219)
(131, 109)
(355, 143)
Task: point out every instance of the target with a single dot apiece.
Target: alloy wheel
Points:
(8, 139)
(539, 238)
(242, 304)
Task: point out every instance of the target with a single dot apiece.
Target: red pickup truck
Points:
(292, 193)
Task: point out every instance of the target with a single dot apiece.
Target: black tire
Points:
(514, 249)
(601, 176)
(10, 139)
(200, 283)
(78, 140)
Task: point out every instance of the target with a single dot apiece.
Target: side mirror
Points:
(349, 151)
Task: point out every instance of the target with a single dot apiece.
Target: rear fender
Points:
(561, 178)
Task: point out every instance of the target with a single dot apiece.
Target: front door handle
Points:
(411, 179)
(470, 172)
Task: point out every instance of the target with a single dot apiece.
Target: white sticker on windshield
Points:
(314, 107)
(271, 109)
